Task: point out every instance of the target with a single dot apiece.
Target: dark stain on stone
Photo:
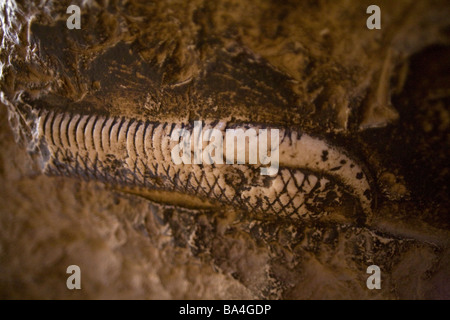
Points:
(324, 155)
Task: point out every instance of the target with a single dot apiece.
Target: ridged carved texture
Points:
(313, 175)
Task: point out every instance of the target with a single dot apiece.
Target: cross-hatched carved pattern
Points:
(290, 194)
(108, 153)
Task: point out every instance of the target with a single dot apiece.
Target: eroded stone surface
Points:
(381, 95)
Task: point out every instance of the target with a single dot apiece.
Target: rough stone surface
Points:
(382, 95)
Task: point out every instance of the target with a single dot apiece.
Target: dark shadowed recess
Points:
(418, 145)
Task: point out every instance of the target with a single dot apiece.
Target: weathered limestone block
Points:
(87, 175)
